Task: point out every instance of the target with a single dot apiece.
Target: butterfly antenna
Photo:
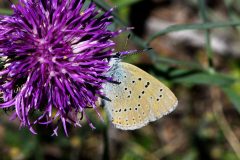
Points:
(129, 36)
(118, 54)
(132, 52)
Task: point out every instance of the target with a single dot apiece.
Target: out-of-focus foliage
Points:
(196, 52)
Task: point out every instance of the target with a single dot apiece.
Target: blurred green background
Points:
(196, 52)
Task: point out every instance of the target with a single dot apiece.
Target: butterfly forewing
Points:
(138, 99)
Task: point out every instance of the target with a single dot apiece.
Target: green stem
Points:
(197, 26)
(204, 16)
(106, 142)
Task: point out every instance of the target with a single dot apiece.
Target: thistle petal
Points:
(55, 61)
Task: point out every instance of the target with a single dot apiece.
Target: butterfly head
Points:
(114, 61)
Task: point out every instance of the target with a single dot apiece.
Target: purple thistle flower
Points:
(54, 60)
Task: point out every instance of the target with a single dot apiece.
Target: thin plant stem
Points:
(193, 26)
(106, 152)
(223, 123)
(204, 16)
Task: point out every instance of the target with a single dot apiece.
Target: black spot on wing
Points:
(160, 96)
(134, 121)
(147, 84)
(129, 95)
(127, 122)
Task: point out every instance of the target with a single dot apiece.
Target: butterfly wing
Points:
(138, 99)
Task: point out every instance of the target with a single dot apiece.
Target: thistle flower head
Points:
(54, 59)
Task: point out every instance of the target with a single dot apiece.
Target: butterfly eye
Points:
(117, 55)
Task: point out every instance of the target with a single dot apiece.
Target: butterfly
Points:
(137, 99)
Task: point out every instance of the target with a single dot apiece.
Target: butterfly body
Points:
(137, 99)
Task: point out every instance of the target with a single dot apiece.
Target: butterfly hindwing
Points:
(138, 99)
